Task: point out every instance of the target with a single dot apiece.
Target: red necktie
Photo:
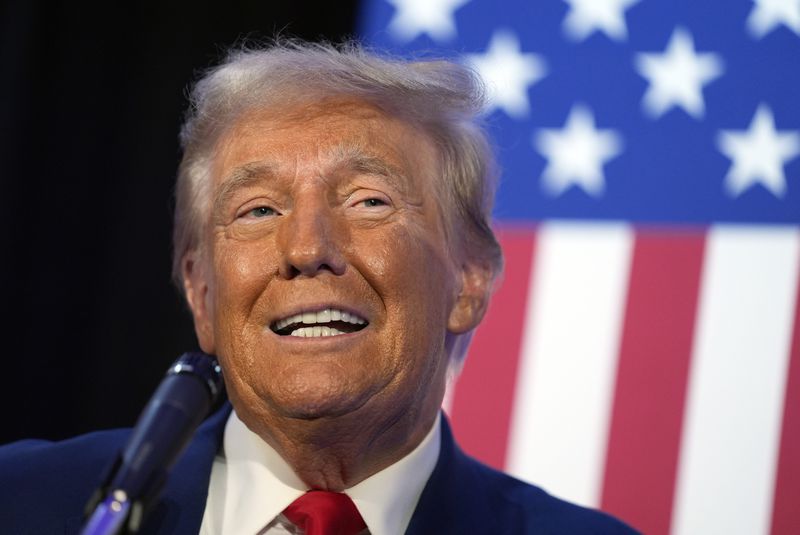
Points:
(319, 512)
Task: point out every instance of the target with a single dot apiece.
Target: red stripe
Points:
(654, 360)
(484, 395)
(786, 506)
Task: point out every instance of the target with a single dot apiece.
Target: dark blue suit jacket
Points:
(44, 487)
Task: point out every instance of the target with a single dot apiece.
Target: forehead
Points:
(311, 137)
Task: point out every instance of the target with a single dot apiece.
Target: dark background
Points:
(91, 100)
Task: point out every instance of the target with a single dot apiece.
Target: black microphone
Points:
(134, 482)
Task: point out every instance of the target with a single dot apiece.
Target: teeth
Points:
(316, 331)
(323, 316)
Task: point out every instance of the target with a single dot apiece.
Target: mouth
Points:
(326, 322)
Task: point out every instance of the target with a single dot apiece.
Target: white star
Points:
(586, 16)
(508, 73)
(758, 154)
(576, 153)
(677, 76)
(766, 15)
(415, 17)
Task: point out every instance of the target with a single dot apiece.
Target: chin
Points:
(312, 400)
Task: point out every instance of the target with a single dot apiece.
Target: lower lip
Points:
(318, 339)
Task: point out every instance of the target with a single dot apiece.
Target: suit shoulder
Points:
(50, 459)
(530, 509)
(46, 482)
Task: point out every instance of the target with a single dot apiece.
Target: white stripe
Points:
(729, 450)
(449, 394)
(567, 374)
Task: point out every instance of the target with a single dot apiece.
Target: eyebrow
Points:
(241, 177)
(347, 156)
(376, 166)
(353, 157)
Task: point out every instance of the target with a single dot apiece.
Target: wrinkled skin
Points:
(331, 205)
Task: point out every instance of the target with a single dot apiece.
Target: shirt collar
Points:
(260, 484)
(387, 499)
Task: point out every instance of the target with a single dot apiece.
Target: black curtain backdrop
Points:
(91, 99)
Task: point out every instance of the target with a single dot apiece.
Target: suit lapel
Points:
(453, 500)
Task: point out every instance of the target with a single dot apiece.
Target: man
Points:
(332, 238)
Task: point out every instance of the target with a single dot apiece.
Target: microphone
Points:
(167, 423)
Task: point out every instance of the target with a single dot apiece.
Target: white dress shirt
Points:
(251, 485)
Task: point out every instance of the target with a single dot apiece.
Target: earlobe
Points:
(196, 287)
(473, 299)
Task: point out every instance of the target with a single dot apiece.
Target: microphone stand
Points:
(135, 479)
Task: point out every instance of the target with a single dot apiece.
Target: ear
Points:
(196, 285)
(472, 299)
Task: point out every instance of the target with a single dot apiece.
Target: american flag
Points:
(642, 354)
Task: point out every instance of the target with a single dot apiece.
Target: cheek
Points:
(425, 266)
(409, 268)
(240, 266)
(241, 273)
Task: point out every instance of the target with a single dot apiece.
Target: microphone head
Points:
(203, 366)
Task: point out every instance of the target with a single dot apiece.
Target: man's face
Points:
(327, 286)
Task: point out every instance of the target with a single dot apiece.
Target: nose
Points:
(308, 242)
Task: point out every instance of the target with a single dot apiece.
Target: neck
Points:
(336, 453)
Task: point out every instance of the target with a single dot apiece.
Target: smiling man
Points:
(332, 239)
(326, 285)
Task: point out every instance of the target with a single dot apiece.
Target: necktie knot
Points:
(319, 512)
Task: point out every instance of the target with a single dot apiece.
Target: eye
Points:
(369, 203)
(373, 202)
(369, 199)
(262, 211)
